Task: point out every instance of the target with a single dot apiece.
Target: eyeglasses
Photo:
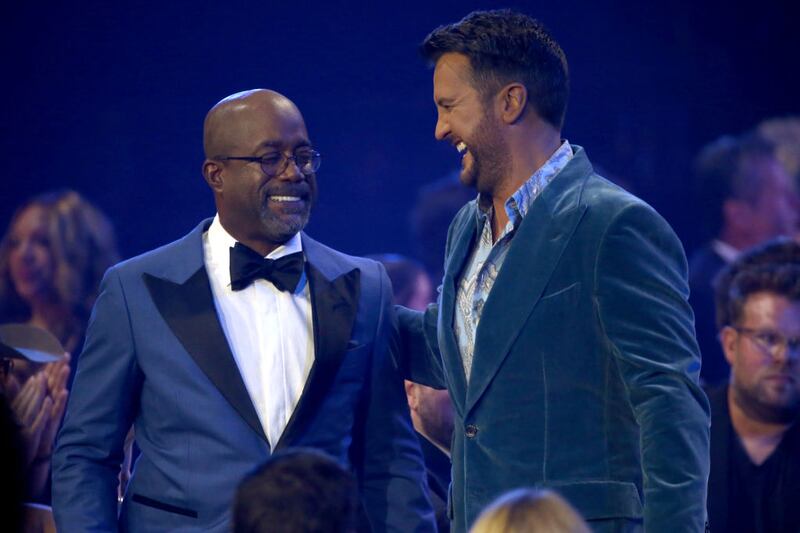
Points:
(771, 341)
(308, 161)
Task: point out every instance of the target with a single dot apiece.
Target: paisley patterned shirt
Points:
(487, 258)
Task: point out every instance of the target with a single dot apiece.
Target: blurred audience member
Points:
(784, 133)
(431, 409)
(298, 490)
(746, 197)
(411, 285)
(530, 511)
(52, 258)
(755, 435)
(436, 206)
(34, 384)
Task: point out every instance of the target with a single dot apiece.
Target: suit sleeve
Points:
(419, 358)
(393, 480)
(641, 300)
(100, 411)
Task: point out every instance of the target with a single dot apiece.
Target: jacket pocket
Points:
(150, 502)
(602, 499)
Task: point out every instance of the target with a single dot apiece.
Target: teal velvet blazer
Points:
(585, 372)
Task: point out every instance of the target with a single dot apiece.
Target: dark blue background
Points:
(108, 98)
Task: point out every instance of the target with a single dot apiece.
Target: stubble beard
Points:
(279, 228)
(759, 404)
(490, 158)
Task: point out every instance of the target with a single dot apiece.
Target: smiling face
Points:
(467, 120)
(31, 261)
(765, 386)
(259, 210)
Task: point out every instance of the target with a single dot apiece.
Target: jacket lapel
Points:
(535, 251)
(189, 311)
(527, 269)
(464, 237)
(334, 303)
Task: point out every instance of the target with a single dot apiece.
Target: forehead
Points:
(767, 170)
(279, 126)
(452, 75)
(32, 218)
(768, 309)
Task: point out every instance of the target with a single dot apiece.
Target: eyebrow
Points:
(280, 144)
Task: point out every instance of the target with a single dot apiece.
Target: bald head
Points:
(229, 124)
(241, 134)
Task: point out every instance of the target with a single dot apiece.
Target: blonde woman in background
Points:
(530, 511)
(52, 258)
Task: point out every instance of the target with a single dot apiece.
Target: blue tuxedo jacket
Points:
(156, 357)
(585, 368)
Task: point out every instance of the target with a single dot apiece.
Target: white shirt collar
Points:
(727, 252)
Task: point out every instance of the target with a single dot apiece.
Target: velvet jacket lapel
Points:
(531, 260)
(465, 235)
(183, 297)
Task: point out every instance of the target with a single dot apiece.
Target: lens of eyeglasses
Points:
(307, 161)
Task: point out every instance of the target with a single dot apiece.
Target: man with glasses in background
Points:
(241, 339)
(755, 436)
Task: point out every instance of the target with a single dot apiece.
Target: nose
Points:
(292, 171)
(442, 129)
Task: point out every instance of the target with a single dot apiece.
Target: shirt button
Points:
(470, 431)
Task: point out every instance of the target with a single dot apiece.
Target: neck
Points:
(51, 316)
(759, 438)
(529, 151)
(260, 246)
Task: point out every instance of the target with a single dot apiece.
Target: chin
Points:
(282, 228)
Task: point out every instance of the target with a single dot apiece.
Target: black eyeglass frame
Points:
(790, 345)
(314, 159)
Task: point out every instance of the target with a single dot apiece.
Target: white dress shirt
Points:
(270, 332)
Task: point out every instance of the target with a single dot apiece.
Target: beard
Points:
(489, 156)
(757, 403)
(280, 221)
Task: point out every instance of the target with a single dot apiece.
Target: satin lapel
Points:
(463, 240)
(530, 262)
(334, 304)
(189, 311)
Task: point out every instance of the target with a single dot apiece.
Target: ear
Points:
(728, 338)
(513, 99)
(411, 395)
(212, 172)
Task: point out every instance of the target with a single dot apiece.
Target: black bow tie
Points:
(247, 266)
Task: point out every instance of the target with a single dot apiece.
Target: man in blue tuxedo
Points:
(562, 329)
(243, 338)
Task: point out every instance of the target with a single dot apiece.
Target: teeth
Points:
(461, 147)
(285, 198)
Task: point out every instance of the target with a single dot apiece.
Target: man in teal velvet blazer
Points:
(562, 329)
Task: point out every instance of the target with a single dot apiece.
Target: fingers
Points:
(55, 413)
(57, 375)
(32, 433)
(28, 402)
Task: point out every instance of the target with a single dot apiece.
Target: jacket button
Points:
(470, 431)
